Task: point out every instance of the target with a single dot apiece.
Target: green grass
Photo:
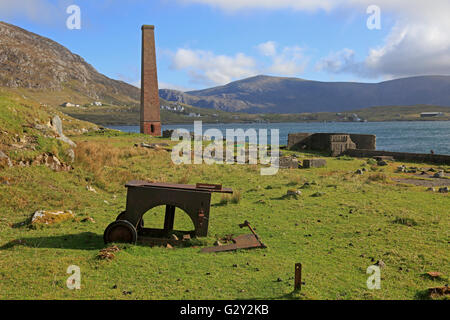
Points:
(355, 222)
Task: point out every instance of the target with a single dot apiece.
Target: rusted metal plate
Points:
(194, 188)
(245, 241)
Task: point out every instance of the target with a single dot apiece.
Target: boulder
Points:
(288, 163)
(51, 217)
(314, 163)
(56, 124)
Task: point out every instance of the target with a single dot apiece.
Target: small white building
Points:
(68, 104)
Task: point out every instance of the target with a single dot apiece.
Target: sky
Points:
(206, 43)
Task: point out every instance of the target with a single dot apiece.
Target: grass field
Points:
(357, 220)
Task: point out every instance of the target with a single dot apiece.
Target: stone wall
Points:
(401, 156)
(364, 141)
(335, 143)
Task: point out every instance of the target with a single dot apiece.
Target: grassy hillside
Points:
(355, 221)
(25, 130)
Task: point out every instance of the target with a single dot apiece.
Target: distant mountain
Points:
(30, 61)
(264, 94)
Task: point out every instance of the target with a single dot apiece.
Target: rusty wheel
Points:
(140, 224)
(120, 231)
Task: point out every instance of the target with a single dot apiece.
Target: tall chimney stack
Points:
(150, 117)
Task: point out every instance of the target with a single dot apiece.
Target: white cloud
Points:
(233, 5)
(418, 44)
(289, 62)
(207, 68)
(267, 48)
(42, 11)
(166, 85)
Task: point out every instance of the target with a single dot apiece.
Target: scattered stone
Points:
(49, 160)
(51, 217)
(153, 145)
(4, 160)
(218, 243)
(293, 193)
(88, 219)
(314, 163)
(401, 168)
(359, 171)
(126, 292)
(431, 170)
(186, 237)
(382, 163)
(439, 174)
(443, 190)
(89, 188)
(174, 237)
(71, 155)
(168, 246)
(431, 189)
(380, 263)
(279, 280)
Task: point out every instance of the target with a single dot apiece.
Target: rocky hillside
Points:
(30, 61)
(264, 94)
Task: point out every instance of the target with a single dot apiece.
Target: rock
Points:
(431, 189)
(71, 154)
(294, 193)
(89, 188)
(288, 163)
(174, 237)
(218, 243)
(439, 174)
(380, 263)
(50, 161)
(88, 219)
(5, 160)
(443, 190)
(168, 246)
(382, 163)
(51, 217)
(56, 124)
(359, 171)
(314, 163)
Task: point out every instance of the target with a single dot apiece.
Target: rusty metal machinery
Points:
(143, 196)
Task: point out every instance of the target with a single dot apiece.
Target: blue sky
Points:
(204, 43)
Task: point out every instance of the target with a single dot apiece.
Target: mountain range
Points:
(266, 94)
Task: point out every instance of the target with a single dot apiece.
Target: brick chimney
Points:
(150, 117)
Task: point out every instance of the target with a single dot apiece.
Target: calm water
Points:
(414, 136)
